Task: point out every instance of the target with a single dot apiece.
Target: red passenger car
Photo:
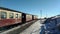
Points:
(9, 17)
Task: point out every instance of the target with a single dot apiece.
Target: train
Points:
(10, 17)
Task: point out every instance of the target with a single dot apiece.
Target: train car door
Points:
(23, 18)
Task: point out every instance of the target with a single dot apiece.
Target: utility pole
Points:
(46, 14)
(40, 16)
(40, 13)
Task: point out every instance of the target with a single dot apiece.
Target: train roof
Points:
(9, 9)
(14, 10)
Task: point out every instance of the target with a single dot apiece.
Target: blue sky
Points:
(51, 7)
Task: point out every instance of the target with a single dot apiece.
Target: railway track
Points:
(12, 27)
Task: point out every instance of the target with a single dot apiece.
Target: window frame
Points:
(5, 16)
(20, 16)
(11, 15)
(16, 16)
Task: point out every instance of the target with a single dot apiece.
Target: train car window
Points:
(16, 15)
(19, 16)
(11, 15)
(3, 15)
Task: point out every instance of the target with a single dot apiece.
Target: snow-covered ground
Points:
(33, 29)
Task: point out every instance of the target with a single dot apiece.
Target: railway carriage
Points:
(28, 17)
(10, 17)
(35, 17)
